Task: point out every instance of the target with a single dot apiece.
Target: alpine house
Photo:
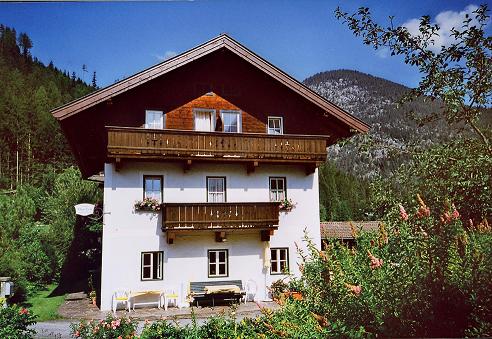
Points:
(210, 169)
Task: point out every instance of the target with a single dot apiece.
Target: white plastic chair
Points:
(251, 289)
(170, 295)
(121, 297)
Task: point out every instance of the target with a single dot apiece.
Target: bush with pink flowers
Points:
(111, 327)
(15, 322)
(425, 274)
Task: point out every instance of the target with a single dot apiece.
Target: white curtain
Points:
(203, 121)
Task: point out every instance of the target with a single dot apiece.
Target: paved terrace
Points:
(77, 307)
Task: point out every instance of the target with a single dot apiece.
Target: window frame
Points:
(210, 110)
(281, 125)
(161, 179)
(287, 261)
(225, 188)
(217, 250)
(160, 271)
(270, 188)
(239, 120)
(163, 118)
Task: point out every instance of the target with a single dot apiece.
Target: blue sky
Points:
(118, 39)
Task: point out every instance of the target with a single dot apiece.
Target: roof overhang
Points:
(222, 41)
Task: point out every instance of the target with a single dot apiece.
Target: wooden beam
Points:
(310, 168)
(266, 234)
(117, 164)
(170, 237)
(187, 165)
(220, 236)
(251, 166)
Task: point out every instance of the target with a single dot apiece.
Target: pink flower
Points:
(23, 311)
(455, 213)
(403, 213)
(355, 289)
(119, 337)
(77, 334)
(375, 262)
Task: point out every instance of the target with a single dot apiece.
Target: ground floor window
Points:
(279, 261)
(218, 263)
(152, 265)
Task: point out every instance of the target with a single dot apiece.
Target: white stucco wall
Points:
(127, 233)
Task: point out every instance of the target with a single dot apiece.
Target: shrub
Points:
(14, 323)
(424, 274)
(111, 327)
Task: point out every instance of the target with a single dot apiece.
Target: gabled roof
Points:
(222, 41)
(343, 230)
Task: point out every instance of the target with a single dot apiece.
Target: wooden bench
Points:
(198, 291)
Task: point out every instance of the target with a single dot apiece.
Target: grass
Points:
(45, 307)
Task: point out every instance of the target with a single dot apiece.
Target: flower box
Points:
(287, 205)
(148, 204)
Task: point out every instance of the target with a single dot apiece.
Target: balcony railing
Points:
(220, 216)
(126, 142)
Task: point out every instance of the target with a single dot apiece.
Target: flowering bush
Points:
(14, 322)
(287, 205)
(111, 327)
(148, 204)
(423, 274)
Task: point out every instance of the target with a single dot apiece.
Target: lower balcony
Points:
(220, 217)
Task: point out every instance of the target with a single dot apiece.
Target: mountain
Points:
(374, 100)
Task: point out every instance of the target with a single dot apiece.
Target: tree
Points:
(25, 43)
(94, 83)
(459, 75)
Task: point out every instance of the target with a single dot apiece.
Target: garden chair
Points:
(251, 289)
(121, 297)
(170, 295)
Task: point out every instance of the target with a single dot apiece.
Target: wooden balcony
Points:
(220, 216)
(140, 143)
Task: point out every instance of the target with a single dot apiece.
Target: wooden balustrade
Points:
(126, 142)
(220, 216)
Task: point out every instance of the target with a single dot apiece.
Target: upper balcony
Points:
(189, 146)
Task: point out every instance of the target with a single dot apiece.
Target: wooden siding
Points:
(182, 117)
(172, 144)
(220, 216)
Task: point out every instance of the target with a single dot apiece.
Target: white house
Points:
(220, 138)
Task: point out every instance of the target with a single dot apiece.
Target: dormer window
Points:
(154, 119)
(275, 125)
(231, 121)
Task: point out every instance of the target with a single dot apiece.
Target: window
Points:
(218, 263)
(153, 187)
(216, 189)
(275, 125)
(154, 119)
(278, 190)
(152, 265)
(279, 261)
(231, 121)
(204, 119)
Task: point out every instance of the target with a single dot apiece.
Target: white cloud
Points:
(446, 21)
(167, 55)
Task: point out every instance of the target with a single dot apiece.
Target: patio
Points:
(77, 307)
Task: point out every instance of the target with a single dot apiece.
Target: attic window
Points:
(275, 125)
(154, 119)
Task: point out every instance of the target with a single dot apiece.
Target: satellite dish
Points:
(84, 209)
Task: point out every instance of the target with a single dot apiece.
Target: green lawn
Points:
(45, 307)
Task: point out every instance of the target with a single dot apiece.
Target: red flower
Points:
(23, 311)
